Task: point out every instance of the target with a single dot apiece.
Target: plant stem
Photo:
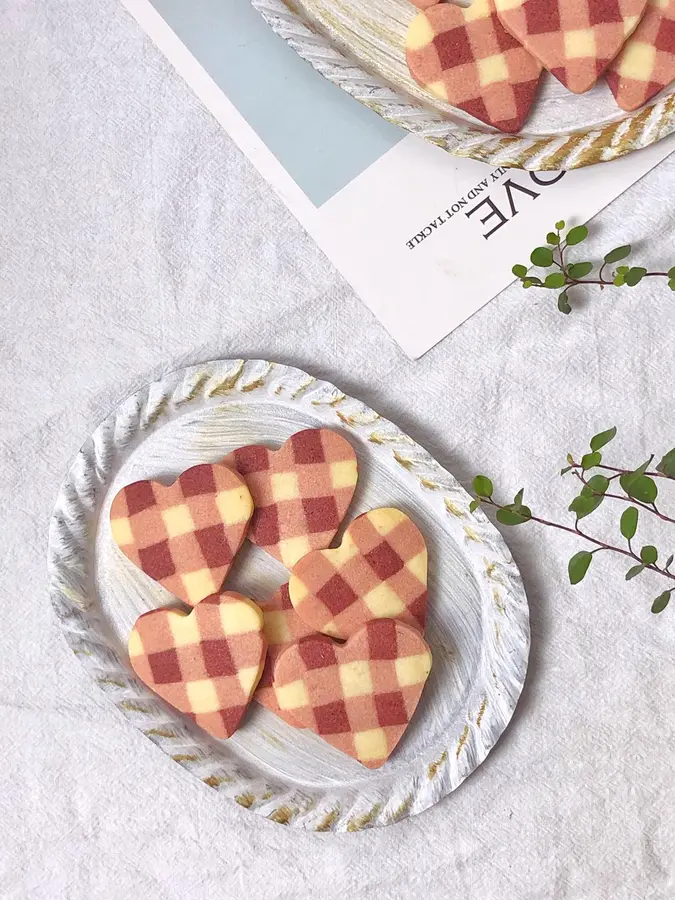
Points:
(619, 472)
(601, 545)
(651, 508)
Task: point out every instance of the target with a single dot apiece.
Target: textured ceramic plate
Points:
(477, 626)
(359, 45)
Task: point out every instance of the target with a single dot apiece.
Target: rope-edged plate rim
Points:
(504, 615)
(574, 150)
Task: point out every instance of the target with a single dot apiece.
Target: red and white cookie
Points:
(205, 663)
(646, 65)
(301, 491)
(359, 696)
(282, 627)
(465, 56)
(576, 40)
(378, 571)
(184, 535)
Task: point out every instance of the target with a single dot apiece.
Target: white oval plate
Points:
(477, 626)
(360, 46)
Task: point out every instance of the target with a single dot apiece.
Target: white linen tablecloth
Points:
(135, 238)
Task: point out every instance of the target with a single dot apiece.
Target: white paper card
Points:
(407, 224)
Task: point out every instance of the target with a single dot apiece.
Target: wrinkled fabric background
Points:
(135, 238)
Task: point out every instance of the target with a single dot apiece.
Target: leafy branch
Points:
(637, 488)
(566, 275)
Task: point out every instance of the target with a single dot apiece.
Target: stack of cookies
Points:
(338, 649)
(487, 58)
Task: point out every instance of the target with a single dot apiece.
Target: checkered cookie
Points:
(646, 65)
(358, 696)
(184, 535)
(205, 663)
(301, 491)
(282, 627)
(466, 57)
(575, 39)
(379, 571)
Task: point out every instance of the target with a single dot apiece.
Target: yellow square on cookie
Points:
(492, 69)
(412, 669)
(121, 532)
(371, 744)
(637, 61)
(580, 43)
(177, 520)
(198, 585)
(355, 678)
(285, 486)
(234, 506)
(293, 695)
(202, 696)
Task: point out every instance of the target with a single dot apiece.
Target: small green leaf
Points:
(564, 303)
(618, 254)
(643, 488)
(671, 272)
(584, 505)
(671, 284)
(519, 271)
(554, 280)
(629, 523)
(633, 571)
(661, 602)
(621, 270)
(518, 499)
(634, 276)
(588, 460)
(542, 257)
(649, 555)
(598, 441)
(553, 238)
(619, 281)
(598, 484)
(579, 270)
(514, 515)
(473, 506)
(669, 561)
(576, 235)
(560, 225)
(566, 470)
(482, 486)
(578, 566)
(527, 283)
(667, 465)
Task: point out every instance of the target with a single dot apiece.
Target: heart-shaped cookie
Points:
(358, 696)
(282, 627)
(465, 57)
(378, 571)
(184, 535)
(301, 491)
(575, 39)
(205, 663)
(646, 64)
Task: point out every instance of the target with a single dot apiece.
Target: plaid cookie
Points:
(282, 627)
(575, 39)
(205, 663)
(646, 65)
(379, 571)
(301, 491)
(358, 696)
(184, 535)
(466, 57)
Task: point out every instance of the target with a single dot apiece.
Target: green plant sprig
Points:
(639, 491)
(565, 274)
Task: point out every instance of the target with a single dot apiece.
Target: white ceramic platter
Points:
(477, 626)
(360, 46)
